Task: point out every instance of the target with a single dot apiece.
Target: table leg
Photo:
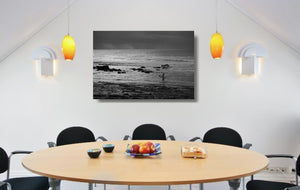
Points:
(243, 183)
(201, 187)
(190, 186)
(54, 184)
(90, 186)
(234, 184)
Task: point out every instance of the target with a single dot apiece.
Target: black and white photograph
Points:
(143, 65)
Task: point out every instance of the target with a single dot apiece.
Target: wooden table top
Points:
(71, 162)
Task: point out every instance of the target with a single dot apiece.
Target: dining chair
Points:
(149, 132)
(19, 183)
(71, 135)
(225, 136)
(275, 185)
(75, 134)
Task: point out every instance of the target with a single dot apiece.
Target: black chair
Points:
(149, 132)
(20, 183)
(273, 185)
(225, 136)
(72, 135)
(75, 134)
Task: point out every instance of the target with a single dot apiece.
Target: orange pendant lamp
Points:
(216, 41)
(216, 45)
(68, 44)
(68, 47)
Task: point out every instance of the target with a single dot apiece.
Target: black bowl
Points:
(94, 153)
(108, 147)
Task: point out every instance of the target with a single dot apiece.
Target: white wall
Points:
(265, 110)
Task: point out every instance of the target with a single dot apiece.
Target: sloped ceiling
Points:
(280, 17)
(20, 20)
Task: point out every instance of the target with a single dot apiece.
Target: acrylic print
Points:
(143, 65)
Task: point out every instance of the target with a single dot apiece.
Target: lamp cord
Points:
(68, 16)
(216, 16)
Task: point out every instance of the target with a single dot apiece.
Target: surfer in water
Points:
(162, 76)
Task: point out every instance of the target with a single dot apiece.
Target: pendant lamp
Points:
(216, 45)
(68, 47)
(68, 43)
(216, 42)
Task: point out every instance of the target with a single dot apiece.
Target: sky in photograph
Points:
(143, 40)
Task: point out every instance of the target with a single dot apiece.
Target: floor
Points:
(277, 174)
(273, 174)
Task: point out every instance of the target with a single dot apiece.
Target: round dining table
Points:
(71, 162)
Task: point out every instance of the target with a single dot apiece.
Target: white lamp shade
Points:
(249, 54)
(45, 57)
(250, 65)
(250, 49)
(46, 67)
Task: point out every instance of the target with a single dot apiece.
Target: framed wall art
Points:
(143, 65)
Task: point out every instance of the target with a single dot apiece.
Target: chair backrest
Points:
(3, 161)
(149, 132)
(223, 135)
(73, 135)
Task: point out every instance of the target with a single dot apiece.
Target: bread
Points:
(193, 152)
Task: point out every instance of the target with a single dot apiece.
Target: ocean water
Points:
(179, 72)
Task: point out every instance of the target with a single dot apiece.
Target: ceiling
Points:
(21, 20)
(280, 17)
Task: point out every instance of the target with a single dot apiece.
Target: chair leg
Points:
(54, 184)
(8, 186)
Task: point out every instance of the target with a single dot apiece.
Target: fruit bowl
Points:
(156, 152)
